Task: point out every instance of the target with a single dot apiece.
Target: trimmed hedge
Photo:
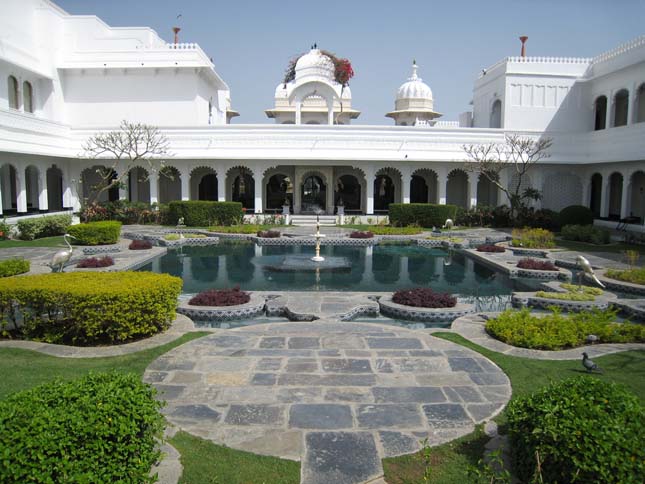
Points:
(89, 308)
(586, 233)
(12, 267)
(201, 213)
(575, 214)
(36, 228)
(96, 233)
(422, 214)
(99, 428)
(535, 238)
(582, 429)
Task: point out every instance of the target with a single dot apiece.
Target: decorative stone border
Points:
(189, 242)
(472, 327)
(251, 309)
(635, 308)
(102, 249)
(547, 275)
(617, 285)
(501, 261)
(521, 299)
(306, 240)
(409, 313)
(542, 254)
(443, 243)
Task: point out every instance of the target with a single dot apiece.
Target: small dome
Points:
(414, 88)
(315, 63)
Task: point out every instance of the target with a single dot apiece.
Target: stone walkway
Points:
(336, 396)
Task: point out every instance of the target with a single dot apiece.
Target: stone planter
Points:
(252, 309)
(409, 313)
(634, 308)
(623, 286)
(545, 275)
(520, 299)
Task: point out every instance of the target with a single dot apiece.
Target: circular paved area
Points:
(337, 396)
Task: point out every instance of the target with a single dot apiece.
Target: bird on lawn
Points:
(589, 365)
(587, 269)
(62, 256)
(449, 224)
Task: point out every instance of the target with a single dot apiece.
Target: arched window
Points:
(27, 97)
(621, 102)
(12, 84)
(496, 115)
(600, 111)
(640, 104)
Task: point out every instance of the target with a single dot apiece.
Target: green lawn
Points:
(44, 242)
(449, 463)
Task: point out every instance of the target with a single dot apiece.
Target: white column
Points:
(221, 185)
(123, 187)
(298, 112)
(442, 180)
(473, 178)
(1, 212)
(257, 178)
(6, 182)
(630, 105)
(330, 112)
(369, 192)
(610, 109)
(625, 196)
(43, 201)
(604, 196)
(406, 179)
(502, 199)
(586, 192)
(185, 184)
(21, 190)
(153, 180)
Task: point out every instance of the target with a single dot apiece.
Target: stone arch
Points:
(423, 186)
(595, 198)
(9, 187)
(457, 188)
(639, 105)
(54, 182)
(387, 188)
(496, 114)
(313, 191)
(561, 190)
(27, 97)
(600, 113)
(615, 195)
(279, 186)
(32, 187)
(13, 93)
(169, 184)
(203, 183)
(139, 185)
(352, 190)
(637, 196)
(92, 179)
(487, 191)
(621, 107)
(241, 186)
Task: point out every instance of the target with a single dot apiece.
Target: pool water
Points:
(384, 268)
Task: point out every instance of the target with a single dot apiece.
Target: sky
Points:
(251, 42)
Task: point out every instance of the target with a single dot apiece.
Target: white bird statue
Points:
(62, 256)
(449, 224)
(586, 267)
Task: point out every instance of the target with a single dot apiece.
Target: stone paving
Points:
(336, 396)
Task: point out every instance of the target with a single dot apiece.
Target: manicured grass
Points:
(207, 463)
(23, 369)
(44, 242)
(243, 229)
(385, 229)
(449, 463)
(585, 247)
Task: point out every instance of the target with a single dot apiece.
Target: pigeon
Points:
(589, 365)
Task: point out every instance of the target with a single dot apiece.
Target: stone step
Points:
(310, 220)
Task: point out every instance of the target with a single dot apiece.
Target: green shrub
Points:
(533, 238)
(576, 214)
(594, 291)
(635, 276)
(421, 214)
(238, 228)
(5, 229)
(574, 293)
(86, 308)
(96, 233)
(99, 428)
(204, 213)
(556, 331)
(582, 429)
(586, 233)
(36, 228)
(12, 267)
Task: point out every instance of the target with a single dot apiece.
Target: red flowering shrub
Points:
(95, 262)
(221, 297)
(424, 297)
(140, 245)
(490, 248)
(357, 234)
(536, 265)
(268, 234)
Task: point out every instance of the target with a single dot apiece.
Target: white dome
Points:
(414, 88)
(315, 63)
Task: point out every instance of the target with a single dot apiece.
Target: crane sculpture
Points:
(587, 269)
(62, 256)
(449, 224)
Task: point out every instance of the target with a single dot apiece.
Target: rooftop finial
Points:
(414, 70)
(315, 45)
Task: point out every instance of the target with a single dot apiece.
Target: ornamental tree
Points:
(133, 144)
(517, 155)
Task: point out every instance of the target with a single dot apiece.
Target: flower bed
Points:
(223, 305)
(556, 331)
(536, 265)
(140, 245)
(358, 234)
(533, 238)
(634, 276)
(220, 297)
(95, 262)
(490, 248)
(442, 312)
(573, 293)
(424, 297)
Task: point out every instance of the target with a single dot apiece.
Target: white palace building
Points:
(63, 78)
